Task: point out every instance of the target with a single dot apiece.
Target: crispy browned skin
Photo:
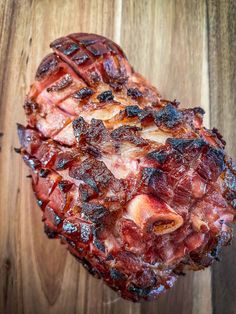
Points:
(137, 188)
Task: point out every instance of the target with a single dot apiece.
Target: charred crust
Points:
(128, 133)
(80, 58)
(218, 156)
(72, 244)
(97, 132)
(70, 49)
(212, 164)
(57, 43)
(179, 272)
(105, 96)
(230, 192)
(63, 160)
(31, 162)
(99, 245)
(182, 144)
(115, 72)
(39, 202)
(199, 110)
(169, 116)
(90, 136)
(65, 185)
(147, 115)
(230, 184)
(92, 184)
(93, 151)
(49, 232)
(47, 66)
(43, 173)
(85, 232)
(146, 177)
(69, 228)
(117, 274)
(17, 150)
(61, 84)
(213, 249)
(21, 132)
(139, 291)
(83, 93)
(30, 139)
(148, 172)
(87, 39)
(79, 127)
(93, 271)
(95, 76)
(94, 212)
(52, 216)
(115, 49)
(84, 194)
(110, 257)
(215, 252)
(233, 203)
(94, 173)
(30, 106)
(97, 49)
(56, 219)
(132, 111)
(158, 184)
(175, 103)
(159, 156)
(134, 93)
(219, 136)
(65, 45)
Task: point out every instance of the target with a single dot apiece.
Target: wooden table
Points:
(188, 50)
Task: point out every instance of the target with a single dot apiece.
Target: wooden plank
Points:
(222, 65)
(38, 275)
(166, 41)
(6, 13)
(10, 283)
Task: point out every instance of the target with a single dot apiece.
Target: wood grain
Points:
(222, 66)
(175, 60)
(187, 49)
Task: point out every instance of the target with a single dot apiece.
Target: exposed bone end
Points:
(198, 224)
(152, 215)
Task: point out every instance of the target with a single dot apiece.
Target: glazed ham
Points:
(136, 187)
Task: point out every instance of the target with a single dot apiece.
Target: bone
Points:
(198, 224)
(153, 215)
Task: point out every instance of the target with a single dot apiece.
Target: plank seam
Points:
(210, 120)
(117, 21)
(208, 57)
